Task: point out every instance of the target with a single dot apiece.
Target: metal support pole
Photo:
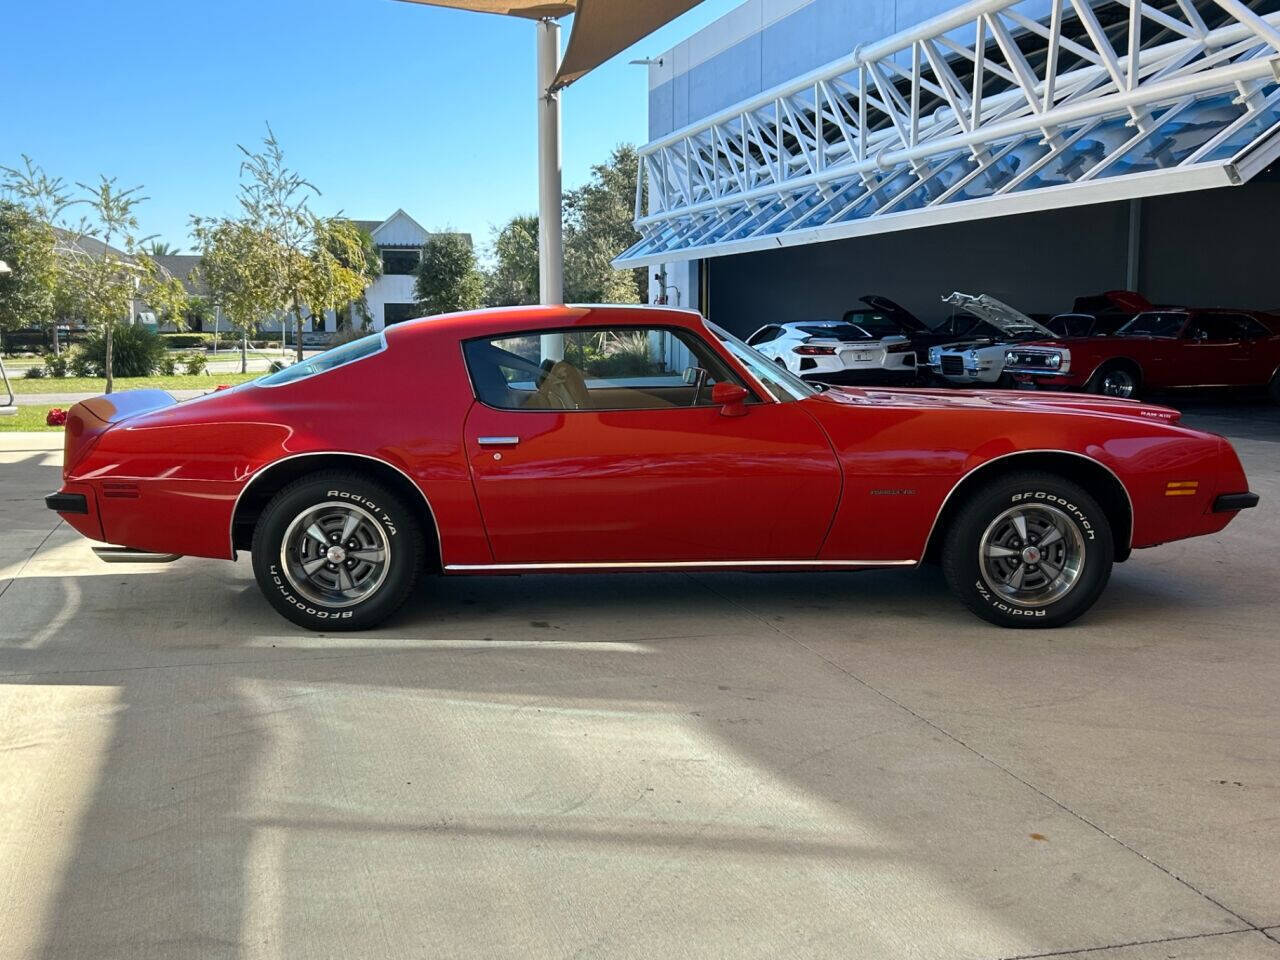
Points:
(1134, 253)
(550, 241)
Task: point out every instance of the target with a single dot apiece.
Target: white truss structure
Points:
(997, 107)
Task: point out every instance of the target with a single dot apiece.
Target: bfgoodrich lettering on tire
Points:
(337, 551)
(1029, 550)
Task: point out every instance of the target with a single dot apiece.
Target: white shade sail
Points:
(601, 28)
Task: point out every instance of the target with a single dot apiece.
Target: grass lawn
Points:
(200, 381)
(27, 418)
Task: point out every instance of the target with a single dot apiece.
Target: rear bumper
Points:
(75, 503)
(1229, 502)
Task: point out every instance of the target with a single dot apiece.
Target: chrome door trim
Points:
(497, 441)
(672, 565)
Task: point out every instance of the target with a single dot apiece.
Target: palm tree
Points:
(158, 248)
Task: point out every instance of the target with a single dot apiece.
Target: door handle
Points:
(497, 441)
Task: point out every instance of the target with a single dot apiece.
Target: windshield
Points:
(1154, 325)
(778, 380)
(338, 356)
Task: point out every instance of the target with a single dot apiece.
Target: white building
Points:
(390, 299)
(399, 240)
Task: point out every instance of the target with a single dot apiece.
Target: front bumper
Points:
(1047, 381)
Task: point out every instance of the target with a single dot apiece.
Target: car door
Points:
(592, 446)
(1212, 351)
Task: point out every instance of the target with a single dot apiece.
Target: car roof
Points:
(515, 320)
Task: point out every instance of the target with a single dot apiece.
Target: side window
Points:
(618, 368)
(1252, 329)
(1215, 328)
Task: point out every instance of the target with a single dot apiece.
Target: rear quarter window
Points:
(329, 360)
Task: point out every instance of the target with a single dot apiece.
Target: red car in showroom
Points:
(566, 439)
(1158, 349)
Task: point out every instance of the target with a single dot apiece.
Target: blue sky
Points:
(381, 104)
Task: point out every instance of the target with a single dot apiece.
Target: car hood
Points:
(907, 319)
(1008, 400)
(996, 312)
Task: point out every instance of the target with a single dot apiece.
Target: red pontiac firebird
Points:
(558, 439)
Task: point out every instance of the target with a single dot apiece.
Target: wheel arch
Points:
(269, 480)
(1122, 361)
(1096, 477)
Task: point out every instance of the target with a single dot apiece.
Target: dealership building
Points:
(804, 153)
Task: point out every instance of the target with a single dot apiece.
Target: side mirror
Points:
(730, 398)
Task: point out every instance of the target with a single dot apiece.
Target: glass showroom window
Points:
(618, 368)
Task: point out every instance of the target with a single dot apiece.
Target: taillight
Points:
(808, 350)
(899, 348)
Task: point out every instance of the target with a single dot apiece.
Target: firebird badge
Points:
(893, 493)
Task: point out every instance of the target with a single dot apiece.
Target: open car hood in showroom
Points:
(995, 107)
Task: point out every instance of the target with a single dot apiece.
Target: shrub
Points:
(180, 341)
(136, 351)
(168, 365)
(34, 373)
(55, 364)
(81, 365)
(57, 417)
(195, 363)
(346, 335)
(275, 366)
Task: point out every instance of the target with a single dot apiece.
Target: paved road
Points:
(644, 766)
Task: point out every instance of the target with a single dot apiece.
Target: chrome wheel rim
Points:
(1031, 555)
(1118, 383)
(335, 554)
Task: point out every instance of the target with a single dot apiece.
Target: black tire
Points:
(382, 518)
(1046, 500)
(1273, 388)
(1114, 379)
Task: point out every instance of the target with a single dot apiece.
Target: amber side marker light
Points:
(1181, 488)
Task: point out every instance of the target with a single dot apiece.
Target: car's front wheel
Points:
(337, 551)
(1116, 379)
(1030, 550)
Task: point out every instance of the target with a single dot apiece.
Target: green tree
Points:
(27, 295)
(335, 274)
(371, 259)
(32, 295)
(448, 279)
(514, 278)
(158, 248)
(103, 280)
(597, 227)
(275, 201)
(238, 263)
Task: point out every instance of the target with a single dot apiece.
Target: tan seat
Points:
(563, 388)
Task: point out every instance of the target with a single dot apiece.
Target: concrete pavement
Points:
(639, 766)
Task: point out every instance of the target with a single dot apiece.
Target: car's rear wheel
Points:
(337, 551)
(1116, 380)
(1273, 388)
(1030, 550)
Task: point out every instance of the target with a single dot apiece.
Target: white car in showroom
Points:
(979, 359)
(836, 351)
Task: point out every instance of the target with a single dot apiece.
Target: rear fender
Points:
(88, 420)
